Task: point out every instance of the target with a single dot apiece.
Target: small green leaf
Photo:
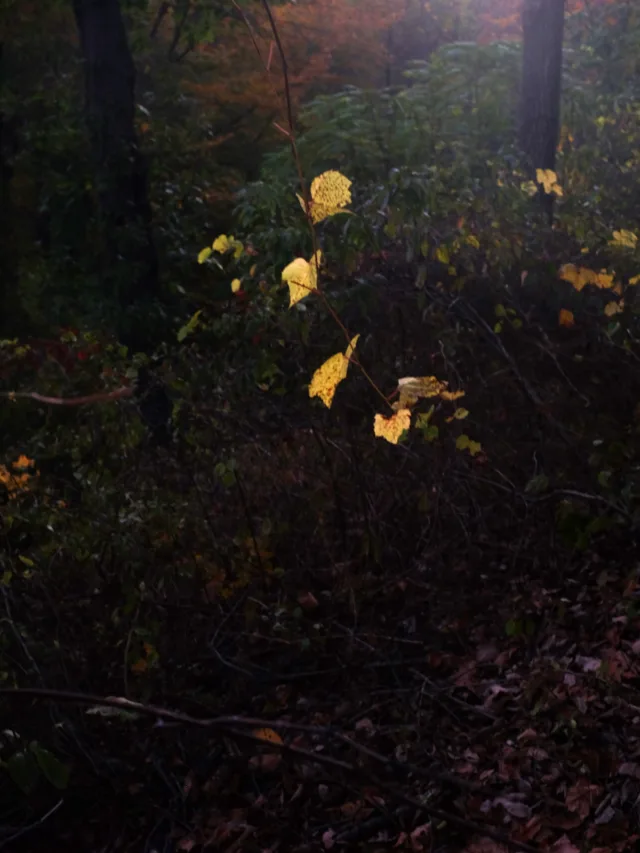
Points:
(23, 770)
(26, 561)
(463, 442)
(537, 485)
(189, 327)
(52, 768)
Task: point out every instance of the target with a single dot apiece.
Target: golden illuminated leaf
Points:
(633, 281)
(302, 277)
(463, 442)
(392, 428)
(330, 194)
(224, 244)
(566, 318)
(549, 181)
(269, 735)
(613, 308)
(329, 375)
(236, 284)
(624, 239)
(204, 254)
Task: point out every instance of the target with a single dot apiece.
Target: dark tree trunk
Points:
(8, 277)
(543, 32)
(129, 261)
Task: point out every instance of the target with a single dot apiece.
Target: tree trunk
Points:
(129, 261)
(543, 32)
(8, 277)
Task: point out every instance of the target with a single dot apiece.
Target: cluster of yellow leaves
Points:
(549, 181)
(16, 480)
(624, 240)
(579, 277)
(327, 377)
(330, 194)
(411, 389)
(222, 245)
(302, 277)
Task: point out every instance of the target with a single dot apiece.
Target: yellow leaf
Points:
(22, 462)
(613, 308)
(329, 375)
(268, 734)
(463, 442)
(624, 239)
(253, 269)
(529, 188)
(204, 254)
(604, 280)
(451, 395)
(579, 277)
(302, 277)
(222, 244)
(633, 281)
(330, 194)
(392, 428)
(460, 414)
(442, 255)
(472, 240)
(236, 284)
(412, 388)
(549, 181)
(565, 318)
(225, 244)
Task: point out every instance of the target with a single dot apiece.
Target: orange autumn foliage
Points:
(327, 43)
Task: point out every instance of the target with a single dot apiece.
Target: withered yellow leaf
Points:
(392, 428)
(22, 462)
(329, 375)
(236, 284)
(624, 239)
(633, 281)
(413, 388)
(451, 395)
(613, 308)
(269, 735)
(566, 318)
(302, 277)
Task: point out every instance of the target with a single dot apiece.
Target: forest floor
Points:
(485, 705)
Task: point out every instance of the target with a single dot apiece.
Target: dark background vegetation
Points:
(203, 537)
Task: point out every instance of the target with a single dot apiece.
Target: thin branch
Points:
(104, 397)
